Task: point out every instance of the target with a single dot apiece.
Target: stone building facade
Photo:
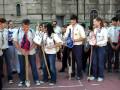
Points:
(47, 10)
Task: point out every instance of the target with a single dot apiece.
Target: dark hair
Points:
(26, 21)
(100, 20)
(74, 17)
(9, 21)
(54, 21)
(114, 19)
(90, 28)
(83, 24)
(49, 29)
(65, 26)
(2, 20)
(106, 22)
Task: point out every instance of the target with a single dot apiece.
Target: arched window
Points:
(18, 11)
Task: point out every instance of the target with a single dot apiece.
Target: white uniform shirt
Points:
(10, 34)
(77, 32)
(19, 36)
(50, 42)
(101, 37)
(5, 37)
(58, 31)
(113, 33)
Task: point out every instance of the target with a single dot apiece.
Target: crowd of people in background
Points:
(88, 50)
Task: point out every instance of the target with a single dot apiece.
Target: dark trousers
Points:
(1, 68)
(113, 57)
(5, 57)
(0, 81)
(67, 59)
(85, 56)
(32, 61)
(77, 54)
(98, 60)
(66, 53)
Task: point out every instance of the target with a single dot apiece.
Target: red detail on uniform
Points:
(25, 44)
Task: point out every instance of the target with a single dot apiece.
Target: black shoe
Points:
(2, 75)
(14, 72)
(109, 71)
(62, 70)
(40, 68)
(72, 75)
(116, 70)
(78, 78)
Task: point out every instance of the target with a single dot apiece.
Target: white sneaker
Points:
(27, 83)
(37, 83)
(42, 82)
(100, 79)
(51, 84)
(10, 81)
(20, 84)
(91, 78)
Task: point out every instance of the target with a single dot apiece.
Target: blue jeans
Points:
(32, 61)
(14, 59)
(51, 59)
(98, 61)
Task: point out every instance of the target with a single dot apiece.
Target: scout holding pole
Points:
(92, 42)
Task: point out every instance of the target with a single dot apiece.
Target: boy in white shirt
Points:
(78, 36)
(23, 40)
(113, 34)
(4, 47)
(13, 56)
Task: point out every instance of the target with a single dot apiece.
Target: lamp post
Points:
(3, 9)
(77, 7)
(42, 10)
(84, 9)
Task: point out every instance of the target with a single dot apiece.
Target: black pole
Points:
(77, 7)
(3, 9)
(84, 9)
(104, 9)
(42, 10)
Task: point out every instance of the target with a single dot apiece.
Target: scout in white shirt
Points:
(78, 36)
(13, 53)
(98, 52)
(51, 42)
(57, 29)
(23, 40)
(113, 53)
(4, 47)
(77, 33)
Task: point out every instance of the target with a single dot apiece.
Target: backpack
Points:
(69, 41)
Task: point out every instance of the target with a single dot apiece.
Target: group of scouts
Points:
(82, 49)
